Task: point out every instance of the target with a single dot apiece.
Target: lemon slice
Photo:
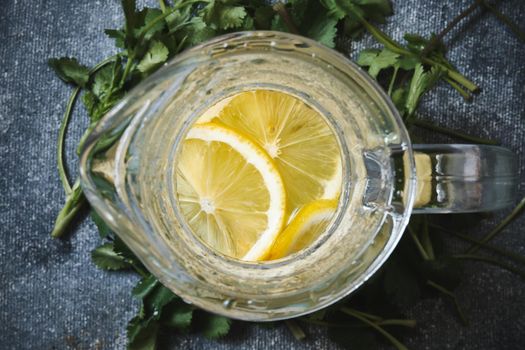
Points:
(230, 192)
(301, 143)
(304, 229)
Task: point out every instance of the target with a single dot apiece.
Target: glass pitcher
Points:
(128, 166)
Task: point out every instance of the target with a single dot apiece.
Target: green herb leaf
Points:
(355, 11)
(103, 82)
(214, 326)
(142, 335)
(106, 258)
(421, 82)
(150, 14)
(155, 301)
(118, 35)
(90, 103)
(145, 286)
(156, 55)
(103, 228)
(196, 31)
(178, 315)
(70, 71)
(221, 14)
(324, 30)
(335, 9)
(377, 60)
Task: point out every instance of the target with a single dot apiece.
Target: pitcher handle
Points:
(459, 178)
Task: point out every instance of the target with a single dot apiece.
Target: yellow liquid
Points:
(259, 175)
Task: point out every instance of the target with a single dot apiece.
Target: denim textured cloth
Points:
(53, 297)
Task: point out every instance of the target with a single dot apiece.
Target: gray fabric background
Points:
(53, 297)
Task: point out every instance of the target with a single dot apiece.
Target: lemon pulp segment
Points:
(309, 223)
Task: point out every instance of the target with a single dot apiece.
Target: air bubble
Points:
(228, 303)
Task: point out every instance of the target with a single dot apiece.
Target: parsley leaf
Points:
(196, 31)
(421, 82)
(334, 8)
(145, 286)
(118, 35)
(150, 15)
(106, 258)
(70, 71)
(377, 60)
(221, 14)
(355, 11)
(156, 55)
(214, 326)
(178, 315)
(324, 30)
(103, 228)
(155, 301)
(142, 334)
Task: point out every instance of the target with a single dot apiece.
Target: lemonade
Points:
(259, 175)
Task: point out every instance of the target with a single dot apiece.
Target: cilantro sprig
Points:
(419, 268)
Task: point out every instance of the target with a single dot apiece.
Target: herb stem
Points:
(455, 76)
(466, 95)
(74, 202)
(425, 240)
(490, 261)
(398, 322)
(392, 322)
(64, 124)
(61, 140)
(452, 296)
(436, 39)
(280, 8)
(503, 252)
(295, 329)
(383, 332)
(162, 6)
(450, 132)
(127, 69)
(504, 19)
(422, 251)
(369, 316)
(513, 215)
(392, 81)
(84, 137)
